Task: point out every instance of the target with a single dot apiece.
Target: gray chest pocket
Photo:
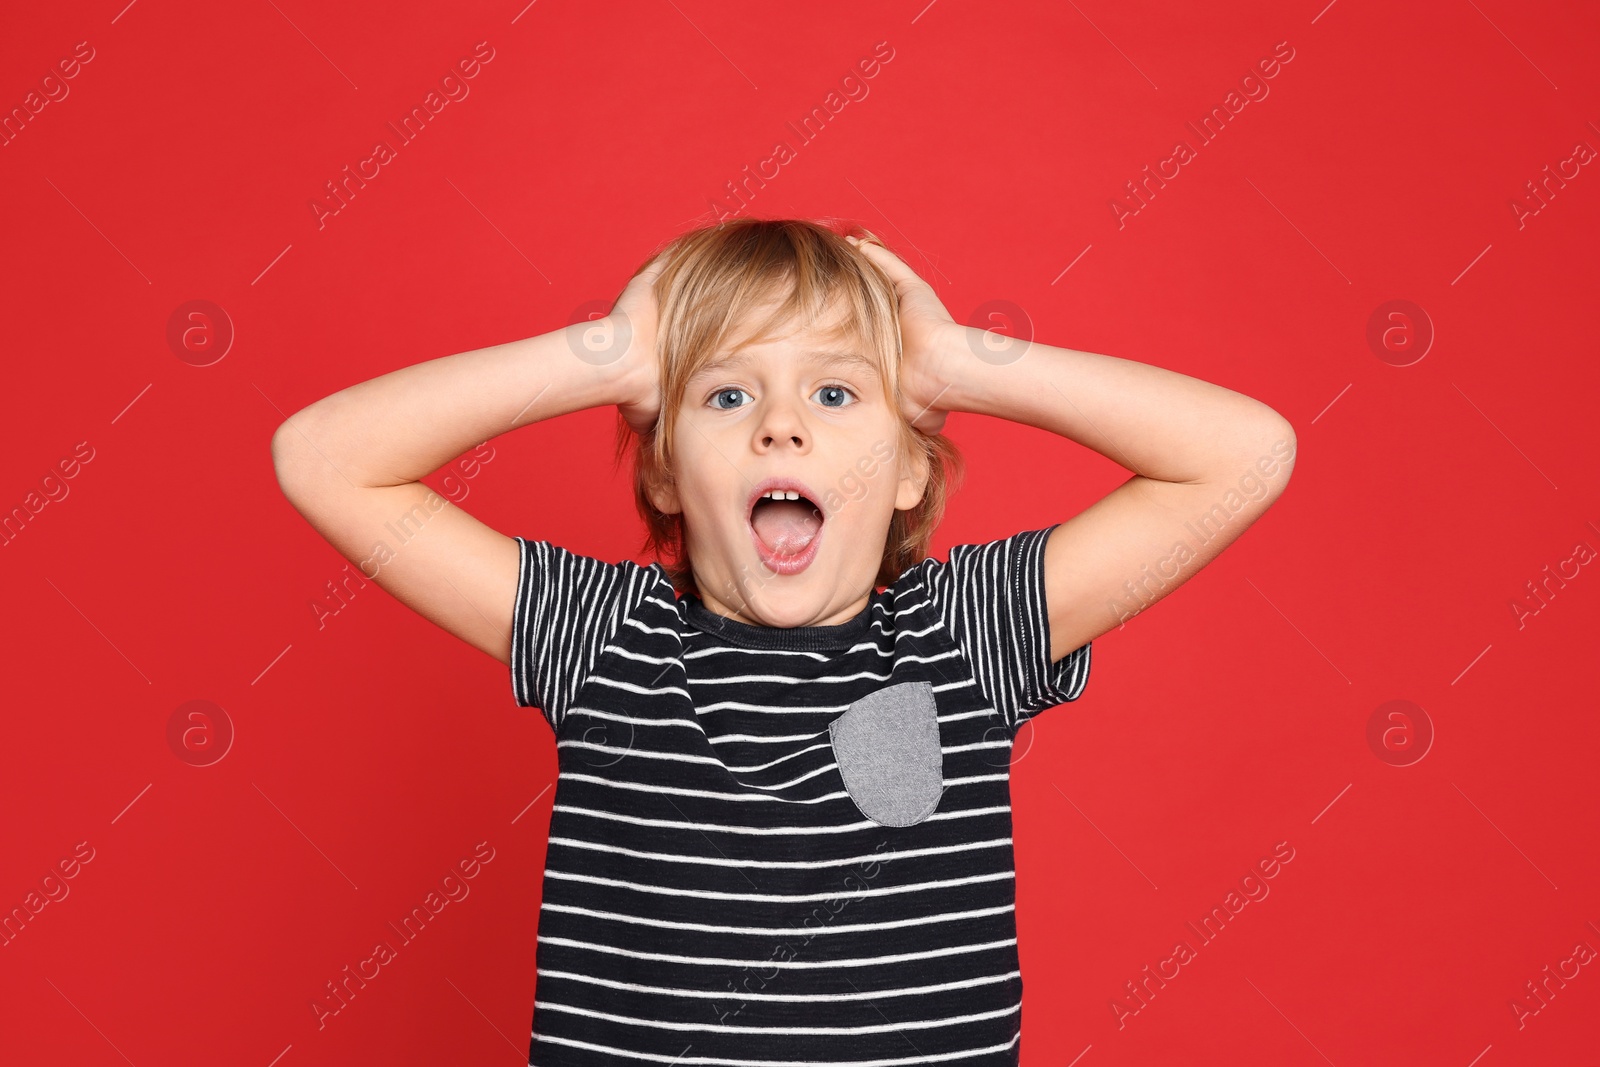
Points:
(888, 750)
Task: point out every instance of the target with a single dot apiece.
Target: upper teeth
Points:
(780, 494)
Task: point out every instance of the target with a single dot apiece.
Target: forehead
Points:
(835, 358)
(834, 342)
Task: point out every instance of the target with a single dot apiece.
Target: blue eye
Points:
(835, 396)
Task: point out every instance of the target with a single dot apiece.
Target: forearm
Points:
(403, 425)
(1155, 422)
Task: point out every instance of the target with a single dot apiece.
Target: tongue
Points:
(786, 527)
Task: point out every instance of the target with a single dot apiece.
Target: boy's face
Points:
(785, 410)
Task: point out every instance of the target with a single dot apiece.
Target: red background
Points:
(372, 754)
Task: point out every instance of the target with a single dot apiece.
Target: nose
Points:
(782, 423)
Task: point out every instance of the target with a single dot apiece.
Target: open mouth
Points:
(786, 526)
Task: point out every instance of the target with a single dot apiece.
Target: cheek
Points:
(704, 502)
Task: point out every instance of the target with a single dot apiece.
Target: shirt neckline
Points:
(785, 638)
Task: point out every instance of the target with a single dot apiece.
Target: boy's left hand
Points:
(928, 336)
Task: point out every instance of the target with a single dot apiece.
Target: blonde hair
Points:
(712, 281)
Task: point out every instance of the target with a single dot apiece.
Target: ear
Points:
(665, 498)
(914, 473)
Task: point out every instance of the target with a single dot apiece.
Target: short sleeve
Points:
(991, 597)
(567, 608)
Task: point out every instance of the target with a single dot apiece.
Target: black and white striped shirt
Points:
(756, 857)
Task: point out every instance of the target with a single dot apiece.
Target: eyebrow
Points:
(830, 358)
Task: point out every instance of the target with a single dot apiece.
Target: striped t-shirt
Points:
(783, 846)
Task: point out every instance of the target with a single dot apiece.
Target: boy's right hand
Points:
(632, 323)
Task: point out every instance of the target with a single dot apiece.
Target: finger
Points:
(891, 264)
(655, 266)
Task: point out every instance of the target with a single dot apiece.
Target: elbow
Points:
(282, 447)
(1271, 427)
(1275, 452)
(1282, 440)
(1261, 455)
(283, 462)
(279, 447)
(290, 449)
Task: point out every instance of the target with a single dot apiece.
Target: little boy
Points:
(781, 832)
